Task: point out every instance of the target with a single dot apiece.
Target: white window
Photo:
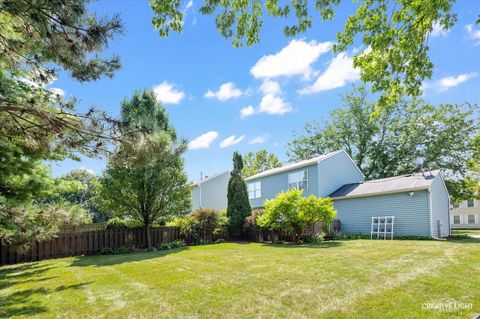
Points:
(470, 203)
(254, 190)
(456, 219)
(471, 219)
(298, 180)
(456, 205)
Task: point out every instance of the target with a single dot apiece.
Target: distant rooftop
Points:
(207, 178)
(292, 166)
(396, 184)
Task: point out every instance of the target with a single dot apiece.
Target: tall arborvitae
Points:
(238, 204)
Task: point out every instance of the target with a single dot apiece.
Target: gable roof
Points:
(208, 178)
(390, 185)
(293, 166)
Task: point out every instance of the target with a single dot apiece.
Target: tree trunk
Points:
(149, 238)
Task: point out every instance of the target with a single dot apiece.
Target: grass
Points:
(337, 279)
(466, 232)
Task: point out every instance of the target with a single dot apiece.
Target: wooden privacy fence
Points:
(87, 243)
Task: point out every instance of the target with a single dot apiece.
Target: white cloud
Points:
(167, 94)
(339, 72)
(438, 30)
(231, 140)
(203, 141)
(247, 111)
(259, 139)
(270, 87)
(189, 5)
(294, 59)
(272, 104)
(473, 32)
(225, 92)
(448, 82)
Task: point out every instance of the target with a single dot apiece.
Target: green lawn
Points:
(467, 232)
(338, 279)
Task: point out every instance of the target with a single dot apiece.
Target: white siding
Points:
(440, 207)
(214, 193)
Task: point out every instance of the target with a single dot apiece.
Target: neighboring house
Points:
(419, 202)
(211, 192)
(466, 214)
(320, 176)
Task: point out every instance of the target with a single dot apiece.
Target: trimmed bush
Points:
(311, 239)
(220, 241)
(202, 224)
(107, 251)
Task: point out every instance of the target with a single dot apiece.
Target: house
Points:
(418, 202)
(466, 215)
(211, 192)
(320, 176)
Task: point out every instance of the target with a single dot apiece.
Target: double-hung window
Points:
(456, 205)
(456, 219)
(254, 190)
(298, 180)
(470, 203)
(471, 219)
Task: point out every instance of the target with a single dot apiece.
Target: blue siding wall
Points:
(440, 208)
(412, 213)
(336, 171)
(274, 184)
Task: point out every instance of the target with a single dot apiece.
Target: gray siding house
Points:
(419, 202)
(319, 176)
(211, 192)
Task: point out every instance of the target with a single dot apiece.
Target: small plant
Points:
(107, 251)
(220, 241)
(177, 244)
(312, 239)
(150, 249)
(350, 236)
(122, 250)
(164, 246)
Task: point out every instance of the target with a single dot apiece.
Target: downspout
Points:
(431, 213)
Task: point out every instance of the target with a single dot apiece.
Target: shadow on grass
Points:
(27, 302)
(323, 245)
(109, 260)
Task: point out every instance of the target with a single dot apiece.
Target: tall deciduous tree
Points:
(260, 161)
(85, 194)
(394, 33)
(145, 178)
(390, 144)
(238, 205)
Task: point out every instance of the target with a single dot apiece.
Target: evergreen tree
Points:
(238, 207)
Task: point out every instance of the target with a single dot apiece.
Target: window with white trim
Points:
(298, 180)
(254, 190)
(470, 203)
(471, 219)
(456, 205)
(456, 219)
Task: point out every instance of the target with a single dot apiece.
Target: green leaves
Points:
(292, 213)
(258, 162)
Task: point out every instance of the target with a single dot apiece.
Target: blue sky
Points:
(224, 99)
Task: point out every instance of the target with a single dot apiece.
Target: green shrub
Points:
(202, 223)
(107, 251)
(220, 241)
(311, 239)
(350, 236)
(122, 250)
(177, 244)
(116, 223)
(164, 246)
(412, 238)
(150, 249)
